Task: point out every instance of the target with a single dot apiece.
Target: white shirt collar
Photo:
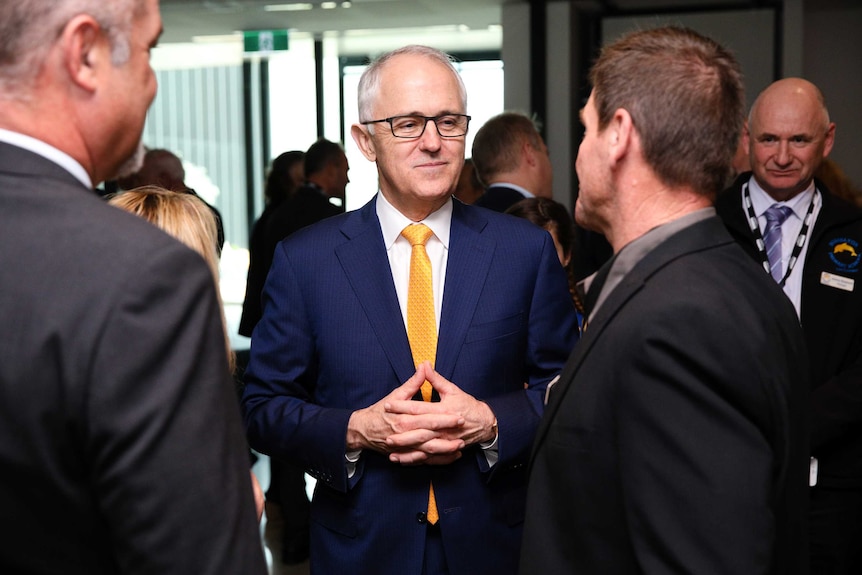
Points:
(761, 201)
(48, 152)
(524, 192)
(392, 221)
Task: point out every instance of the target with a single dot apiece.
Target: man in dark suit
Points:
(788, 136)
(326, 178)
(675, 438)
(332, 371)
(511, 160)
(286, 174)
(122, 449)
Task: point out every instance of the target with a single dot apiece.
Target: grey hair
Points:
(29, 28)
(369, 83)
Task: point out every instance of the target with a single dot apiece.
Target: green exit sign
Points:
(265, 40)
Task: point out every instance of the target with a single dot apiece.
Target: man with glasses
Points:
(345, 346)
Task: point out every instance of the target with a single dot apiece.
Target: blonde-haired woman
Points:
(187, 218)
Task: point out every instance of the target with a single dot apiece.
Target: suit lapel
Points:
(366, 266)
(627, 288)
(699, 236)
(470, 255)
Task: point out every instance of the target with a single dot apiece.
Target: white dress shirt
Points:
(398, 249)
(760, 202)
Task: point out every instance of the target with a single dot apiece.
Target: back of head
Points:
(685, 95)
(553, 216)
(185, 217)
(160, 168)
(29, 28)
(326, 166)
(320, 155)
(280, 183)
(369, 82)
(549, 215)
(497, 145)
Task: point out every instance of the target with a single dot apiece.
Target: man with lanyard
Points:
(809, 241)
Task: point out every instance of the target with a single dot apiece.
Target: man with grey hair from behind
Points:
(121, 449)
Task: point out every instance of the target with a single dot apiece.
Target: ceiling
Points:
(186, 19)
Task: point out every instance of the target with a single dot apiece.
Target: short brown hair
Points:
(496, 147)
(685, 95)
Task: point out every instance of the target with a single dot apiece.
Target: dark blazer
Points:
(499, 198)
(121, 448)
(259, 260)
(332, 340)
(306, 206)
(675, 438)
(832, 321)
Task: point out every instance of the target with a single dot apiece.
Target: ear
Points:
(830, 139)
(528, 153)
(85, 50)
(620, 135)
(746, 137)
(364, 141)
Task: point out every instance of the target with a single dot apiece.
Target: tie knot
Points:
(417, 234)
(778, 214)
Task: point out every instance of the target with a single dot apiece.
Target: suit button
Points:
(421, 518)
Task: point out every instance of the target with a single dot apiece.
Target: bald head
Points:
(791, 94)
(789, 135)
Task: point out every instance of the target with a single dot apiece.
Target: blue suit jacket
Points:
(332, 340)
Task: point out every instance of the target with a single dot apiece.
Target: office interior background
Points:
(241, 81)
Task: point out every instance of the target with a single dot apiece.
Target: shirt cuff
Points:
(489, 448)
(351, 458)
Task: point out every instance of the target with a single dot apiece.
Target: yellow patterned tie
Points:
(421, 322)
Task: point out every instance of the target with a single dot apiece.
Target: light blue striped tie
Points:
(775, 216)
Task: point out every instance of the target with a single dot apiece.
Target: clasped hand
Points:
(419, 432)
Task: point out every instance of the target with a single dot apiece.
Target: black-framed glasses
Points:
(448, 125)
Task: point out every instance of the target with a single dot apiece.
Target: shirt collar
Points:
(761, 201)
(637, 249)
(48, 152)
(524, 192)
(392, 221)
(632, 253)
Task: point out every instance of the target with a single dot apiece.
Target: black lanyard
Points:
(758, 237)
